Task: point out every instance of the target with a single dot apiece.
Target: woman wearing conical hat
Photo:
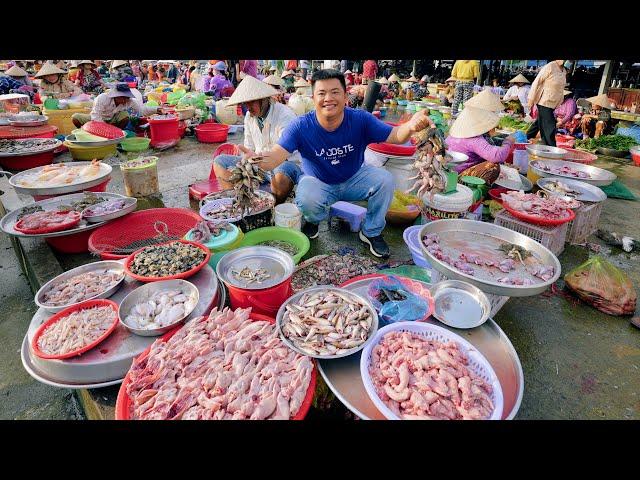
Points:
(598, 121)
(88, 78)
(517, 95)
(55, 84)
(278, 84)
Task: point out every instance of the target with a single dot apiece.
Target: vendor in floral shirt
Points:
(88, 78)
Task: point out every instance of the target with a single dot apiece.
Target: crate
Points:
(551, 237)
(496, 301)
(62, 119)
(585, 223)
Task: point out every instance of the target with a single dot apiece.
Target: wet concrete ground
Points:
(578, 363)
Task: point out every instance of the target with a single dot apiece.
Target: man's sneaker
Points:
(377, 245)
(310, 230)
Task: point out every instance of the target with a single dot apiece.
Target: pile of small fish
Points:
(562, 188)
(164, 308)
(59, 174)
(332, 270)
(167, 260)
(26, 146)
(76, 330)
(564, 170)
(260, 202)
(421, 379)
(249, 275)
(551, 208)
(283, 245)
(88, 200)
(81, 287)
(246, 178)
(137, 162)
(39, 220)
(204, 231)
(327, 322)
(224, 211)
(29, 210)
(429, 163)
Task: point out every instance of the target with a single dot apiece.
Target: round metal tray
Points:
(8, 222)
(467, 303)
(130, 205)
(57, 143)
(105, 172)
(277, 262)
(448, 229)
(72, 139)
(546, 151)
(16, 122)
(526, 184)
(588, 192)
(342, 375)
(599, 176)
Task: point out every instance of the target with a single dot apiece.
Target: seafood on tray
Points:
(283, 245)
(59, 174)
(26, 146)
(105, 208)
(223, 212)
(81, 287)
(429, 163)
(87, 200)
(332, 270)
(166, 260)
(163, 308)
(564, 170)
(76, 330)
(224, 367)
(549, 207)
(250, 275)
(28, 210)
(40, 220)
(421, 379)
(327, 322)
(560, 187)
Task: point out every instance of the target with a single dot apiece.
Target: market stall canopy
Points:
(486, 100)
(519, 79)
(603, 101)
(273, 80)
(250, 89)
(473, 122)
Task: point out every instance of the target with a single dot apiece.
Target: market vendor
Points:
(302, 87)
(565, 114)
(546, 93)
(471, 133)
(264, 123)
(8, 84)
(447, 95)
(19, 75)
(217, 81)
(465, 72)
(289, 81)
(117, 106)
(277, 83)
(332, 140)
(517, 95)
(348, 76)
(121, 71)
(419, 88)
(88, 78)
(598, 121)
(54, 84)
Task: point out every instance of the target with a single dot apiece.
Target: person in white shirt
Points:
(518, 93)
(117, 106)
(264, 123)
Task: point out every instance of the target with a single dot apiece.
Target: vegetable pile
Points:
(615, 142)
(510, 122)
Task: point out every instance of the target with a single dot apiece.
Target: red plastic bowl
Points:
(635, 156)
(392, 149)
(182, 275)
(72, 222)
(496, 193)
(545, 222)
(64, 313)
(123, 402)
(266, 301)
(26, 162)
(212, 132)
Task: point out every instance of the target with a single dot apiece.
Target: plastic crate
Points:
(585, 223)
(551, 237)
(62, 119)
(258, 220)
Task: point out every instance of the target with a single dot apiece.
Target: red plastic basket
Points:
(123, 402)
(536, 220)
(72, 222)
(139, 226)
(64, 313)
(392, 149)
(182, 275)
(212, 132)
(102, 129)
(579, 156)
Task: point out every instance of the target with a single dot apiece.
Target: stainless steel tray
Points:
(130, 205)
(277, 262)
(588, 192)
(72, 139)
(53, 146)
(599, 176)
(546, 151)
(526, 184)
(448, 229)
(8, 222)
(105, 172)
(15, 121)
(342, 375)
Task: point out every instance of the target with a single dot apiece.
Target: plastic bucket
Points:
(164, 131)
(266, 301)
(454, 205)
(635, 156)
(288, 215)
(402, 170)
(212, 132)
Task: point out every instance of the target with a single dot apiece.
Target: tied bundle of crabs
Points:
(246, 178)
(429, 163)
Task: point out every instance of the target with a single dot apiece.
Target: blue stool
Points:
(352, 214)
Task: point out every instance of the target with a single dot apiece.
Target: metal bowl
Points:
(130, 205)
(546, 151)
(612, 152)
(460, 304)
(145, 292)
(342, 291)
(277, 262)
(599, 176)
(90, 267)
(105, 173)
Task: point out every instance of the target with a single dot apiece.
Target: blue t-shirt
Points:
(333, 157)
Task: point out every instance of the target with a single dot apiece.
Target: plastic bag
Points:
(401, 201)
(603, 286)
(394, 302)
(520, 136)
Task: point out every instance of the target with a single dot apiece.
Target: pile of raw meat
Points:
(420, 379)
(81, 287)
(564, 170)
(40, 220)
(225, 366)
(550, 207)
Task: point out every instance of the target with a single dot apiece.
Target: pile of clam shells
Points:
(166, 260)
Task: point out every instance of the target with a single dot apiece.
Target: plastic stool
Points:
(352, 214)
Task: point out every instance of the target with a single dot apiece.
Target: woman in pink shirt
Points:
(470, 134)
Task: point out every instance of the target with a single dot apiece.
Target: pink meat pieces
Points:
(515, 281)
(221, 367)
(552, 207)
(540, 271)
(430, 239)
(472, 258)
(463, 267)
(506, 265)
(420, 379)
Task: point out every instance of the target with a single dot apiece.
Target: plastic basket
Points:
(257, 220)
(585, 223)
(478, 364)
(579, 156)
(147, 227)
(538, 220)
(551, 237)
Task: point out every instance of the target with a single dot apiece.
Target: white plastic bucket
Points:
(288, 216)
(453, 205)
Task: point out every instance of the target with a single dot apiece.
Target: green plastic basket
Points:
(294, 237)
(135, 144)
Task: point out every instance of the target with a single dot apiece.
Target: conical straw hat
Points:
(394, 78)
(412, 79)
(383, 81)
(249, 89)
(301, 82)
(473, 122)
(82, 62)
(485, 100)
(519, 79)
(602, 100)
(348, 72)
(16, 71)
(273, 80)
(287, 73)
(118, 63)
(450, 79)
(49, 69)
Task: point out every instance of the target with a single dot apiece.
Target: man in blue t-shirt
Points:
(332, 140)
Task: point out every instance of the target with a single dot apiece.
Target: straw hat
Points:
(412, 79)
(16, 71)
(394, 78)
(273, 80)
(519, 79)
(49, 69)
(450, 79)
(383, 81)
(602, 100)
(83, 62)
(424, 78)
(473, 122)
(301, 82)
(249, 89)
(485, 100)
(286, 73)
